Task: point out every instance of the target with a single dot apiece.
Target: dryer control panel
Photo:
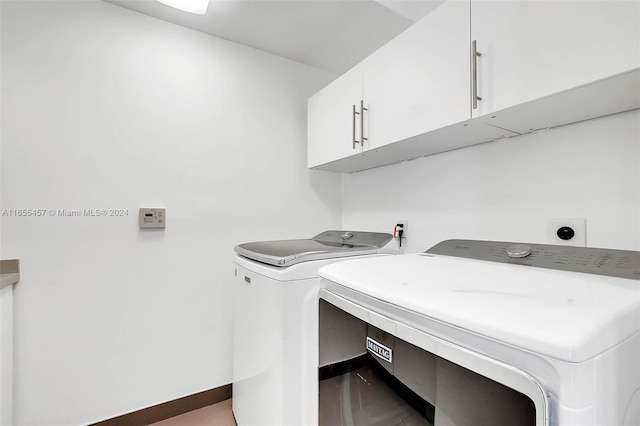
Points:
(599, 261)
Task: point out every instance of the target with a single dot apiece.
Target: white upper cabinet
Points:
(332, 120)
(539, 64)
(419, 81)
(532, 49)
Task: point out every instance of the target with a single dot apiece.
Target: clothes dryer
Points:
(467, 321)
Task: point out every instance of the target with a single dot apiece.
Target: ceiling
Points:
(333, 35)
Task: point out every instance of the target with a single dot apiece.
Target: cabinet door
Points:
(531, 49)
(419, 81)
(331, 119)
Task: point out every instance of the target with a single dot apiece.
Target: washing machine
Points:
(275, 322)
(484, 333)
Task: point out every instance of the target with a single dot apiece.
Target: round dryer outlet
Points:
(568, 232)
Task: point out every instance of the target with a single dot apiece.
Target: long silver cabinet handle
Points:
(353, 139)
(474, 75)
(362, 110)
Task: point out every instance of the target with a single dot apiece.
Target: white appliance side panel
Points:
(6, 356)
(257, 348)
(275, 347)
(275, 350)
(618, 385)
(568, 416)
(300, 352)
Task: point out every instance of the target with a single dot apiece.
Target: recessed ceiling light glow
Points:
(198, 7)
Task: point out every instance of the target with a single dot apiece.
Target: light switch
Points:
(152, 217)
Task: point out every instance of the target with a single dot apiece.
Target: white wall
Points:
(507, 190)
(106, 108)
(6, 319)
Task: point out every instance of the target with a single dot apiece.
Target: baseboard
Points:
(170, 409)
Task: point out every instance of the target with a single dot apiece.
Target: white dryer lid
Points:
(570, 316)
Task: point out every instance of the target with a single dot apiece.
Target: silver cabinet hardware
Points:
(353, 116)
(361, 114)
(474, 75)
(362, 110)
(354, 126)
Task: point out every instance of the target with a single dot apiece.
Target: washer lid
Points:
(326, 245)
(566, 315)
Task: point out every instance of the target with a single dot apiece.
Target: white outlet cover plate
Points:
(579, 226)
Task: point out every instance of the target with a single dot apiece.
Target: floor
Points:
(214, 415)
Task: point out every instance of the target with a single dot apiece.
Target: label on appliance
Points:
(379, 350)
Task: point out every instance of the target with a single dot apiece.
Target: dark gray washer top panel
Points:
(599, 261)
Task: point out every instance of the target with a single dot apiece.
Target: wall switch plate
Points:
(567, 232)
(152, 217)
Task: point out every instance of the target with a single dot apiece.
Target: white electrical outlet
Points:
(567, 232)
